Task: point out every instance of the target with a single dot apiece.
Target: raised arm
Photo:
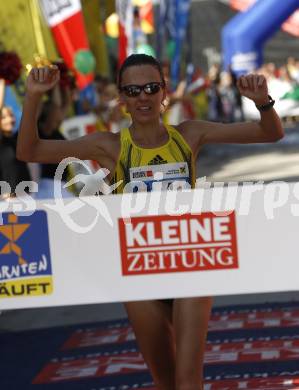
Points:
(32, 148)
(268, 129)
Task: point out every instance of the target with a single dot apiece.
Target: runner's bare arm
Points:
(268, 129)
(34, 149)
(31, 148)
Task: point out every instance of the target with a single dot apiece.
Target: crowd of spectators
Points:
(226, 105)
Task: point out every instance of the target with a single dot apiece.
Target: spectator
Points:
(112, 115)
(12, 170)
(215, 112)
(292, 68)
(230, 98)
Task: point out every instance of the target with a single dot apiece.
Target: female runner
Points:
(171, 334)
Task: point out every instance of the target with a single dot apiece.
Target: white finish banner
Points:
(217, 241)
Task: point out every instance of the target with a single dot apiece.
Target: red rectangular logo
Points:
(163, 243)
(92, 337)
(72, 370)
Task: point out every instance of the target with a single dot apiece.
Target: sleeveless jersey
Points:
(170, 162)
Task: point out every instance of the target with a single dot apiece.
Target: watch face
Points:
(270, 99)
(267, 106)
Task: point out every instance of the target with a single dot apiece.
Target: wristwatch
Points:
(266, 107)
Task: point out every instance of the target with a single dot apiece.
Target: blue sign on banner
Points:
(25, 262)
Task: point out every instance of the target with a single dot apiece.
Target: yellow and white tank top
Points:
(174, 160)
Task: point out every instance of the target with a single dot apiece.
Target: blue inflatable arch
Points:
(244, 35)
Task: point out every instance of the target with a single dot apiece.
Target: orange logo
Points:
(13, 231)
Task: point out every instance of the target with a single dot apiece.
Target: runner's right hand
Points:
(41, 80)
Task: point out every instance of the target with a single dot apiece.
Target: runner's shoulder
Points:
(192, 131)
(184, 128)
(106, 141)
(191, 125)
(105, 138)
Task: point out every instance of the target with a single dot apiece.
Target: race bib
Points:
(154, 177)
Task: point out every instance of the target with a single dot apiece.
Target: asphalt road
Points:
(252, 162)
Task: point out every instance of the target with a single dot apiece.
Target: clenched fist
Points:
(254, 87)
(41, 80)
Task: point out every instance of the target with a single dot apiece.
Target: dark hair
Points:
(139, 59)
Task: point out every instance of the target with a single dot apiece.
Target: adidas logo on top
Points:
(157, 160)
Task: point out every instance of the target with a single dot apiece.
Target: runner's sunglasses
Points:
(135, 90)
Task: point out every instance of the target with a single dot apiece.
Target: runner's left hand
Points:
(254, 87)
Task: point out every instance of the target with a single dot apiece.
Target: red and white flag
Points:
(67, 25)
(125, 9)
